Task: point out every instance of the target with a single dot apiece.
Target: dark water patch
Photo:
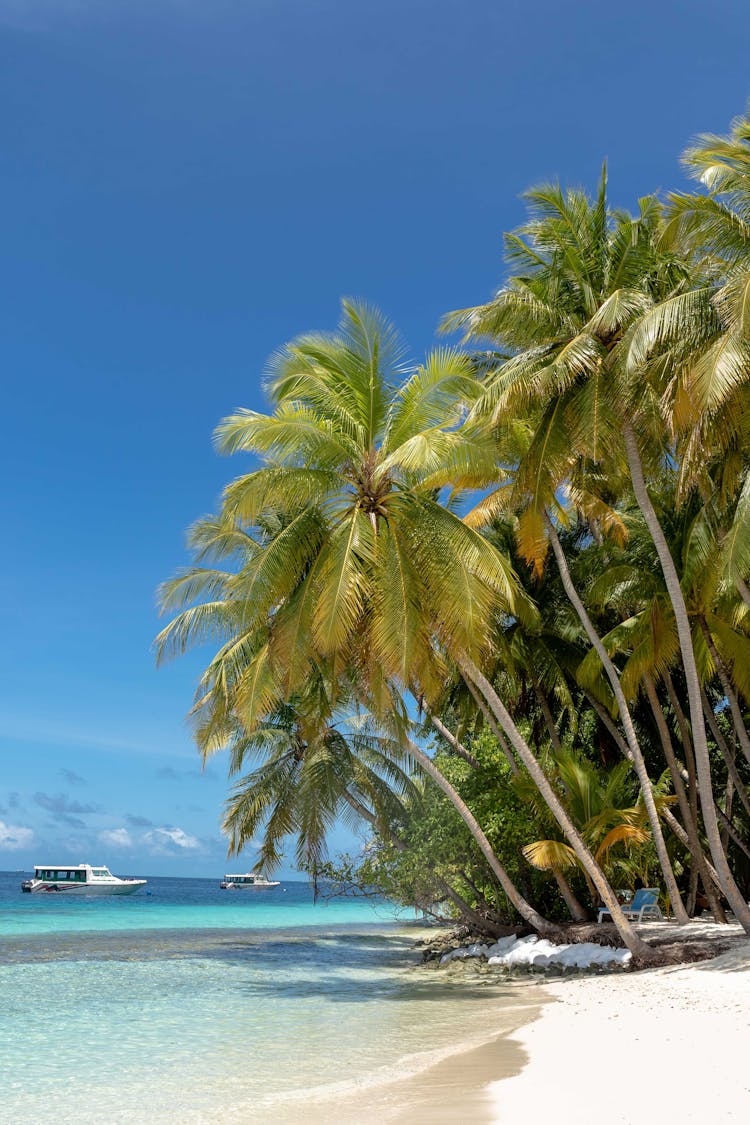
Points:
(302, 943)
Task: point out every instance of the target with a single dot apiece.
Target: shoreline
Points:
(441, 1087)
(643, 1039)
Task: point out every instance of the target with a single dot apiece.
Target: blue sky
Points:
(186, 185)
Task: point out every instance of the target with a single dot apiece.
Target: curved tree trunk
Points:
(577, 912)
(733, 833)
(692, 839)
(524, 908)
(682, 836)
(610, 725)
(492, 723)
(549, 720)
(634, 943)
(728, 802)
(729, 692)
(732, 771)
(453, 742)
(626, 719)
(700, 742)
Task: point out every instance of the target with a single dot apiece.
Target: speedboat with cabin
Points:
(249, 881)
(79, 879)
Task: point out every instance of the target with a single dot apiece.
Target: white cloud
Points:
(116, 838)
(170, 841)
(13, 837)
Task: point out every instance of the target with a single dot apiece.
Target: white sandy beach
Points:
(663, 1045)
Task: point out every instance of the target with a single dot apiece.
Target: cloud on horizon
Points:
(13, 837)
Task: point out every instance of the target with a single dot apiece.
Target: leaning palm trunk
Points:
(732, 771)
(453, 742)
(577, 912)
(682, 836)
(493, 725)
(610, 726)
(732, 832)
(729, 692)
(700, 742)
(691, 840)
(627, 722)
(525, 909)
(549, 720)
(634, 943)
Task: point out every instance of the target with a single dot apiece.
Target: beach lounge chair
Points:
(645, 905)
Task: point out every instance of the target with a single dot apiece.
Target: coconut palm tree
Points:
(585, 281)
(354, 560)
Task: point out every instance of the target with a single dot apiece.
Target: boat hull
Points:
(84, 890)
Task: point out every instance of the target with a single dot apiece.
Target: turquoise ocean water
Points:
(192, 1004)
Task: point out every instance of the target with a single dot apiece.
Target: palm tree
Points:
(586, 282)
(354, 560)
(339, 542)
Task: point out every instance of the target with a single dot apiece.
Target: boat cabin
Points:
(82, 873)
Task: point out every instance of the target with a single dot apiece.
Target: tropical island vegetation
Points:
(532, 549)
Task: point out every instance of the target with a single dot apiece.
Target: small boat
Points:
(78, 879)
(247, 881)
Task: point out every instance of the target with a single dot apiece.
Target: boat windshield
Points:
(60, 875)
(101, 872)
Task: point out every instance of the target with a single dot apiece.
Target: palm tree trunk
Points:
(729, 692)
(733, 833)
(692, 839)
(682, 836)
(610, 725)
(700, 742)
(577, 912)
(492, 724)
(546, 712)
(732, 771)
(524, 908)
(644, 780)
(453, 742)
(728, 801)
(634, 943)
(683, 726)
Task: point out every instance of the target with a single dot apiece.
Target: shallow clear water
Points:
(196, 1005)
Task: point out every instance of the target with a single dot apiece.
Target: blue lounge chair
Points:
(645, 905)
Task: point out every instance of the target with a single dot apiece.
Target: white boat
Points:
(248, 881)
(78, 879)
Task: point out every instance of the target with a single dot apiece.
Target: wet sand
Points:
(452, 1091)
